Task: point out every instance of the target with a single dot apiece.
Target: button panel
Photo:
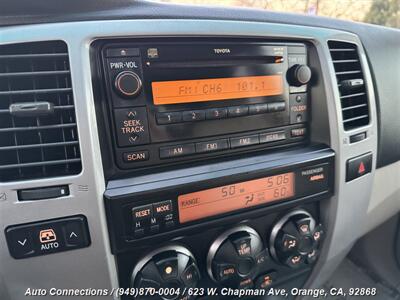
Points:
(153, 218)
(46, 237)
(231, 143)
(165, 118)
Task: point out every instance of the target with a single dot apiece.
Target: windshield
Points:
(380, 12)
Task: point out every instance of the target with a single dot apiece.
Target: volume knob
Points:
(128, 84)
(299, 75)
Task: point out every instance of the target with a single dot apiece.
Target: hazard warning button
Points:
(359, 166)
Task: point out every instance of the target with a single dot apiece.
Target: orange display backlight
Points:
(200, 90)
(215, 201)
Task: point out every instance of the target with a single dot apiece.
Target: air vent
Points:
(38, 133)
(349, 74)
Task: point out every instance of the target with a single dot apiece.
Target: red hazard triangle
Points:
(361, 168)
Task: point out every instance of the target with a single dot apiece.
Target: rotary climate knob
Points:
(236, 258)
(295, 239)
(128, 84)
(172, 267)
(299, 75)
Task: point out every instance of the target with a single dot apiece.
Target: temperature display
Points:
(184, 91)
(232, 197)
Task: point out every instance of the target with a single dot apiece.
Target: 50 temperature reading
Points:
(232, 197)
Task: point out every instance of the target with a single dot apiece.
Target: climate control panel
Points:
(241, 257)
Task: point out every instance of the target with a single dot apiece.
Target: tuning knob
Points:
(299, 75)
(235, 257)
(172, 267)
(295, 239)
(128, 84)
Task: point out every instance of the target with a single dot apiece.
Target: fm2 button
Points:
(132, 126)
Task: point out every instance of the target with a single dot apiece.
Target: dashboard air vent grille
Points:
(38, 133)
(349, 75)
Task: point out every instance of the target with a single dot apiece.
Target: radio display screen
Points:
(201, 90)
(215, 201)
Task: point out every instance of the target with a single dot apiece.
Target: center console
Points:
(214, 181)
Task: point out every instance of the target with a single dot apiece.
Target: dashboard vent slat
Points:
(354, 99)
(35, 146)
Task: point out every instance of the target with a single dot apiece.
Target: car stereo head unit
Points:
(177, 100)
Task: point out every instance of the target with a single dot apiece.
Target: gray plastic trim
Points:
(344, 215)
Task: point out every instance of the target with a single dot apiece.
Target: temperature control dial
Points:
(236, 258)
(295, 239)
(128, 84)
(170, 268)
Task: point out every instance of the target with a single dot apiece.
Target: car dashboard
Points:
(132, 155)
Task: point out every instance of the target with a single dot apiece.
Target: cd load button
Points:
(244, 141)
(176, 151)
(132, 127)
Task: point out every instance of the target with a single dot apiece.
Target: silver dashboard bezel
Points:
(99, 269)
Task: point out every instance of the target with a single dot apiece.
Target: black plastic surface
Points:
(48, 236)
(43, 193)
(376, 40)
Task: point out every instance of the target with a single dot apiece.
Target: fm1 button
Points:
(359, 166)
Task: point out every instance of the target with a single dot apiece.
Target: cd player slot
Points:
(217, 63)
